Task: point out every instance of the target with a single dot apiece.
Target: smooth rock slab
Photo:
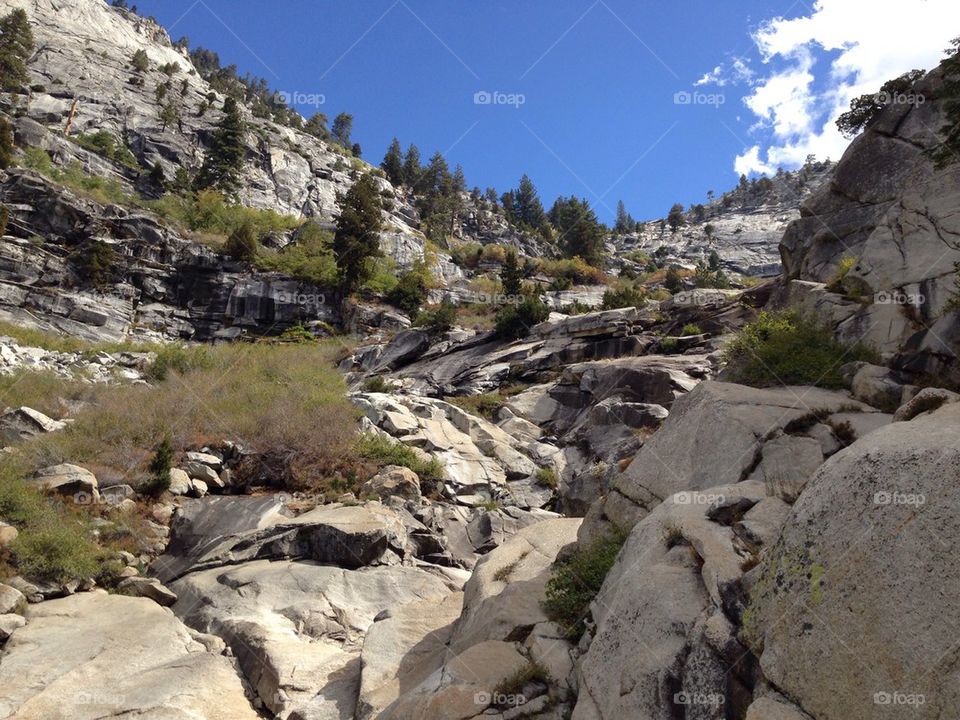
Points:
(93, 655)
(297, 628)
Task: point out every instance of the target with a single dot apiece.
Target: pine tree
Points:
(411, 166)
(16, 46)
(675, 217)
(581, 232)
(625, 223)
(224, 161)
(357, 239)
(342, 127)
(393, 163)
(317, 126)
(528, 210)
(510, 274)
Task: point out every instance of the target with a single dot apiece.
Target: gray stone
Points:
(11, 600)
(150, 588)
(873, 534)
(93, 655)
(9, 623)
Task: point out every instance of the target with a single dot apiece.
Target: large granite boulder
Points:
(714, 435)
(855, 614)
(95, 655)
(297, 628)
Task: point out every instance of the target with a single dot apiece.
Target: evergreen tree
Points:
(625, 223)
(672, 280)
(581, 233)
(528, 210)
(6, 144)
(242, 243)
(393, 163)
(510, 274)
(342, 127)
(675, 217)
(224, 161)
(411, 166)
(140, 61)
(357, 239)
(16, 46)
(317, 126)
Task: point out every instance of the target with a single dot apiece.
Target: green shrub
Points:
(376, 384)
(52, 544)
(623, 295)
(836, 282)
(297, 334)
(690, 329)
(789, 349)
(547, 477)
(159, 469)
(576, 271)
(56, 552)
(438, 320)
(387, 452)
(515, 321)
(105, 144)
(94, 261)
(177, 358)
(411, 291)
(513, 685)
(309, 259)
(485, 405)
(576, 581)
(140, 61)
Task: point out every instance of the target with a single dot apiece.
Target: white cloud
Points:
(738, 72)
(798, 99)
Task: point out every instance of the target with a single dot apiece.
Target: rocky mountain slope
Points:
(743, 226)
(779, 552)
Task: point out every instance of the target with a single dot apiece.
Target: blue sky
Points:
(600, 117)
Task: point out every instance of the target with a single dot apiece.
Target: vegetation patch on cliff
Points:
(790, 349)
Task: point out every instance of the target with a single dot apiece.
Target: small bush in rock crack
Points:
(577, 580)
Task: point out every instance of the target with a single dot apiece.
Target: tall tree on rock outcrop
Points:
(16, 46)
(224, 161)
(581, 233)
(675, 217)
(392, 163)
(357, 240)
(411, 166)
(511, 276)
(342, 128)
(527, 208)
